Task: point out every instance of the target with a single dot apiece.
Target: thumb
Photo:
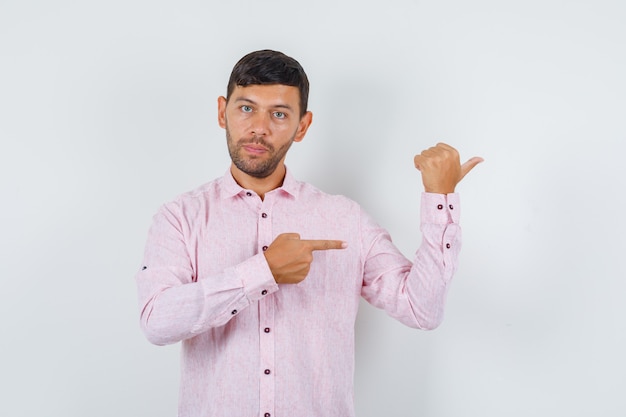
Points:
(288, 236)
(469, 165)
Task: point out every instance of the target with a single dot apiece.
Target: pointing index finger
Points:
(326, 244)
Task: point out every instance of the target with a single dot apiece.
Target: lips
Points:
(254, 149)
(256, 146)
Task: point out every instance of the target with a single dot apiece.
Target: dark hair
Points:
(269, 67)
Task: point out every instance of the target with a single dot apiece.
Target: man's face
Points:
(261, 122)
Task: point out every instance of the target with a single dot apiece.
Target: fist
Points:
(441, 168)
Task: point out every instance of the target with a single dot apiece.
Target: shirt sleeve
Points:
(414, 292)
(175, 304)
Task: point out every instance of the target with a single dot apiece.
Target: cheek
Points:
(285, 127)
(236, 123)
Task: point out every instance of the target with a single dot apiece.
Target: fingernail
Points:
(344, 245)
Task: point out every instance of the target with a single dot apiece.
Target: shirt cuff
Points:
(256, 278)
(440, 208)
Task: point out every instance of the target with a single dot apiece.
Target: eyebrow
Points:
(275, 106)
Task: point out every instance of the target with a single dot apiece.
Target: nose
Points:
(260, 124)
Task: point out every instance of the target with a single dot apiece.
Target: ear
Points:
(221, 111)
(303, 126)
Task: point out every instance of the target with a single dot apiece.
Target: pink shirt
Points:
(251, 347)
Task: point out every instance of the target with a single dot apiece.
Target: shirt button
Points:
(264, 248)
(264, 292)
(448, 245)
(440, 206)
(249, 194)
(451, 207)
(267, 372)
(267, 415)
(266, 330)
(264, 215)
(233, 312)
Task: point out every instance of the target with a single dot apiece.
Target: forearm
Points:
(436, 259)
(415, 293)
(172, 311)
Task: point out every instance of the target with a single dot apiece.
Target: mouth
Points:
(254, 149)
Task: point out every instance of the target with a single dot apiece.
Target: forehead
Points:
(267, 95)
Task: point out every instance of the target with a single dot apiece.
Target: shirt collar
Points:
(230, 188)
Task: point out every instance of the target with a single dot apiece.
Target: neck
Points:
(259, 185)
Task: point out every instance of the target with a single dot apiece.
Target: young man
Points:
(260, 275)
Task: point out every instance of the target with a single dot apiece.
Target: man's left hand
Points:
(441, 168)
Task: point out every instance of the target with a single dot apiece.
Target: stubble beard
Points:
(255, 166)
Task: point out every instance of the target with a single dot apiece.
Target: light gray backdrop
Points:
(108, 109)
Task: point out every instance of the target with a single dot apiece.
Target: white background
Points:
(108, 109)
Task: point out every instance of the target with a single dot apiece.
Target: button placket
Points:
(266, 317)
(266, 346)
(264, 227)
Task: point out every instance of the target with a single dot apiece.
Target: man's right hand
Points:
(290, 257)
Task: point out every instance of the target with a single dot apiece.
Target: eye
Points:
(279, 115)
(246, 109)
